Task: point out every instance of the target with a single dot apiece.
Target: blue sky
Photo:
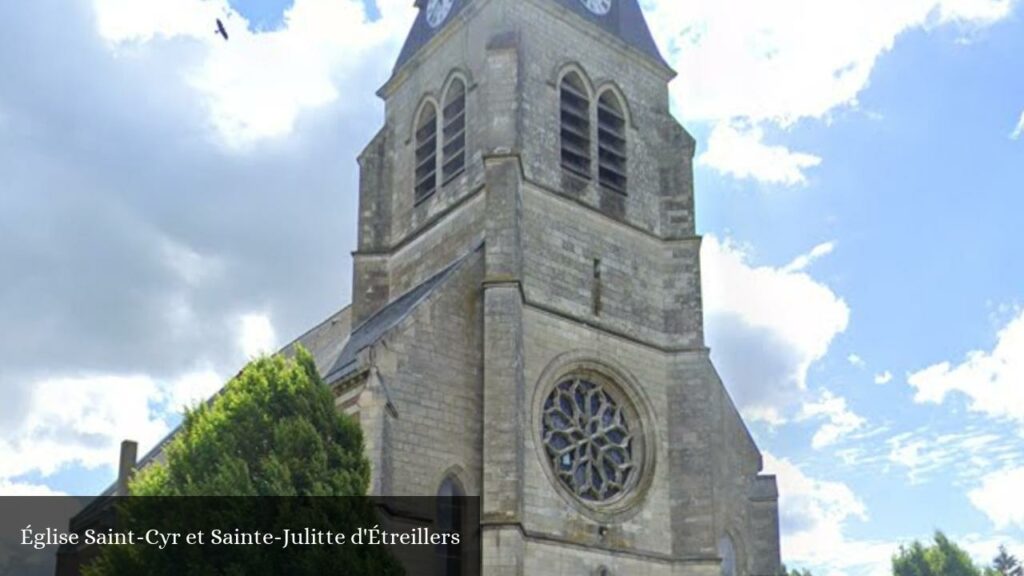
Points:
(919, 189)
(261, 14)
(857, 165)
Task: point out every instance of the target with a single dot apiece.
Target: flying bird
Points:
(221, 29)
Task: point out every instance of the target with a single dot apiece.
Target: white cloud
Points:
(814, 515)
(81, 421)
(773, 63)
(257, 84)
(790, 59)
(742, 153)
(766, 327)
(984, 547)
(802, 262)
(21, 489)
(193, 388)
(256, 335)
(190, 266)
(1019, 131)
(883, 378)
(121, 21)
(991, 380)
(964, 455)
(862, 455)
(840, 420)
(856, 361)
(908, 454)
(143, 294)
(999, 497)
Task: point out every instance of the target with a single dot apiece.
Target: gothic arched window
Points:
(426, 152)
(575, 125)
(611, 142)
(449, 520)
(454, 148)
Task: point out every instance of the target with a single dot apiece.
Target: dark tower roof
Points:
(625, 20)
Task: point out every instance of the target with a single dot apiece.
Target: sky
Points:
(172, 204)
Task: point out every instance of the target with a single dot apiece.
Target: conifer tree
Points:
(273, 432)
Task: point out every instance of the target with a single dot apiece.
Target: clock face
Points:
(437, 11)
(599, 7)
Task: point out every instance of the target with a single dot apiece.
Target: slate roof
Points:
(326, 341)
(376, 326)
(625, 20)
(421, 32)
(334, 350)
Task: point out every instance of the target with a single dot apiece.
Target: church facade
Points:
(526, 323)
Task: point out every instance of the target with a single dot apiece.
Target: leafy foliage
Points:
(272, 432)
(943, 558)
(794, 572)
(1005, 565)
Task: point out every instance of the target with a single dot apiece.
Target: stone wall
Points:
(649, 288)
(568, 271)
(431, 366)
(659, 196)
(551, 341)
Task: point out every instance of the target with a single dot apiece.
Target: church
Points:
(526, 323)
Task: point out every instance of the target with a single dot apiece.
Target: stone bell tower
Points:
(527, 316)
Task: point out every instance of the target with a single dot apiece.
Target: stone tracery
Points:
(588, 438)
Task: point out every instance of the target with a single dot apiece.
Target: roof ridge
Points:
(400, 307)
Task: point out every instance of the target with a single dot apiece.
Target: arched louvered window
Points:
(426, 152)
(575, 125)
(454, 161)
(449, 520)
(611, 142)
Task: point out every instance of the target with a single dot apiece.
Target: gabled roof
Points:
(334, 351)
(377, 326)
(625, 20)
(422, 32)
(324, 341)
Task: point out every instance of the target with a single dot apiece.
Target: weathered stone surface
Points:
(564, 275)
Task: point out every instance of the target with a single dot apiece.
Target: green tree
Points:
(943, 558)
(1005, 565)
(272, 432)
(794, 572)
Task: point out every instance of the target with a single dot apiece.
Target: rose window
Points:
(588, 438)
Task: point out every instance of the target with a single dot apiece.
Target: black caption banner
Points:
(122, 536)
